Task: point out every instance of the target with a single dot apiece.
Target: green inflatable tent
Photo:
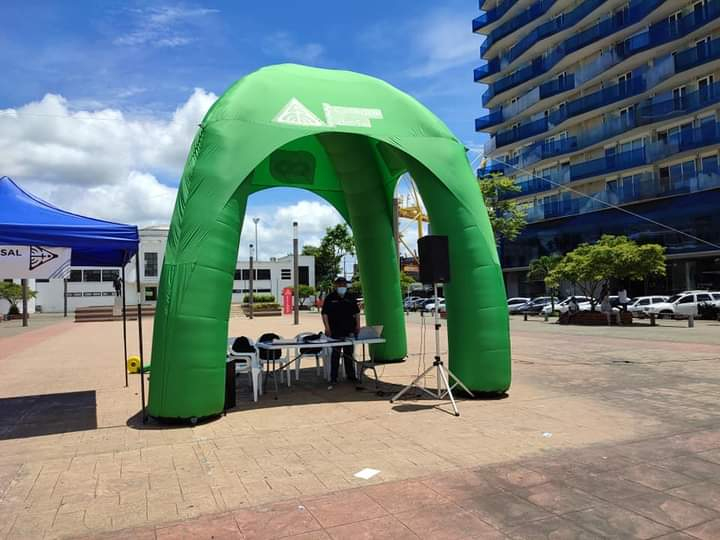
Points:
(346, 137)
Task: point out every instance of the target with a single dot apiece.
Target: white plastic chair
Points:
(247, 362)
(317, 353)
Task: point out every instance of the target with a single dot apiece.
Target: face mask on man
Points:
(341, 290)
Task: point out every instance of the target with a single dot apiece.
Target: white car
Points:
(639, 305)
(516, 304)
(430, 306)
(563, 306)
(683, 304)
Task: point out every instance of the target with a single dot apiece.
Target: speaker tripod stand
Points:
(443, 374)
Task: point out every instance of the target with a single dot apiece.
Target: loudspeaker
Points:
(434, 259)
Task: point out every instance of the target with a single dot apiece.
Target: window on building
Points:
(624, 82)
(674, 22)
(710, 164)
(681, 172)
(285, 273)
(303, 275)
(75, 275)
(151, 264)
(679, 97)
(151, 294)
(110, 275)
(611, 186)
(238, 274)
(705, 87)
(91, 275)
(262, 273)
(699, 11)
(92, 293)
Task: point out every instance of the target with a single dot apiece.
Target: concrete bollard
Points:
(652, 319)
(524, 315)
(691, 321)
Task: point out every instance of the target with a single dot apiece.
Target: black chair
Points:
(268, 356)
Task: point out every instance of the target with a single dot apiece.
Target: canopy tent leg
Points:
(24, 301)
(65, 298)
(124, 315)
(140, 336)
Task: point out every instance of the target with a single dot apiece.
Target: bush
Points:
(14, 310)
(259, 306)
(259, 298)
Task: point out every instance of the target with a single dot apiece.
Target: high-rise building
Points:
(592, 103)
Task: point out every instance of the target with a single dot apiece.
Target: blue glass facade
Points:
(595, 105)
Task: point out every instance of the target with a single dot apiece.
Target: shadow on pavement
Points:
(47, 414)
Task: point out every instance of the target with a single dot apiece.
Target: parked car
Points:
(640, 304)
(430, 306)
(536, 305)
(614, 304)
(682, 305)
(516, 301)
(563, 306)
(420, 304)
(410, 301)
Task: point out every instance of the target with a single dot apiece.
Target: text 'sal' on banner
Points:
(35, 262)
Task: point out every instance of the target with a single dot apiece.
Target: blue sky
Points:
(145, 59)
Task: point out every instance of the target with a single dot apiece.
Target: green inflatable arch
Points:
(347, 138)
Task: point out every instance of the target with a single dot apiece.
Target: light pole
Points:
(250, 278)
(296, 293)
(257, 246)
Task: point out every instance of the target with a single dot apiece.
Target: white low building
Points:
(94, 286)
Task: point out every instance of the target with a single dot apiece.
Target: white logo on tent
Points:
(297, 114)
(350, 116)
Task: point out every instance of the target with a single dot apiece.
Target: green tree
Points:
(405, 282)
(336, 243)
(540, 269)
(12, 292)
(506, 218)
(590, 266)
(305, 292)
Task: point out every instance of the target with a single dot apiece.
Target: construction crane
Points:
(409, 206)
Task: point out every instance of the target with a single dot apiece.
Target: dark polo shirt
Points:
(340, 311)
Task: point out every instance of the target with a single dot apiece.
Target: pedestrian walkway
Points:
(599, 412)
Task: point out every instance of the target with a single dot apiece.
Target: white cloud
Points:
(445, 42)
(284, 46)
(141, 199)
(46, 140)
(275, 226)
(165, 26)
(99, 162)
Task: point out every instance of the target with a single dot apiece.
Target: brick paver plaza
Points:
(606, 433)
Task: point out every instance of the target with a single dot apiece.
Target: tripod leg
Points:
(409, 386)
(441, 373)
(458, 381)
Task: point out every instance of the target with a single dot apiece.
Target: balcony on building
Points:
(636, 12)
(492, 15)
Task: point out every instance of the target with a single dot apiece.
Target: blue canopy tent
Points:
(27, 220)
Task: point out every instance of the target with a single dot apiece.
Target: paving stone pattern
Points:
(605, 434)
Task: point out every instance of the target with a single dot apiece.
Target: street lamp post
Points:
(296, 293)
(250, 285)
(257, 246)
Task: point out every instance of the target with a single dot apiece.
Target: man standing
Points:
(341, 316)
